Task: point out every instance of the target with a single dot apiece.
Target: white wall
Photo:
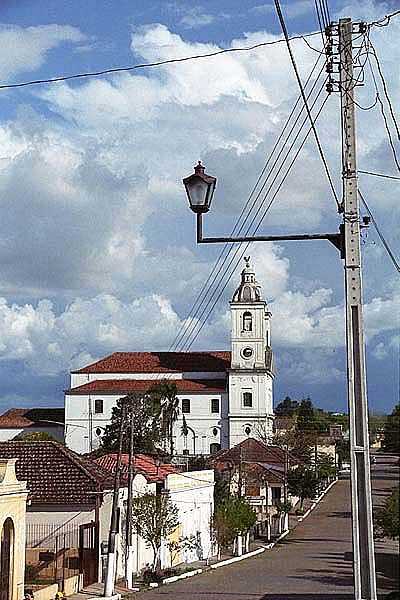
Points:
(10, 433)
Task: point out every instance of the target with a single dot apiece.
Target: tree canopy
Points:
(391, 442)
(147, 431)
(232, 516)
(387, 518)
(303, 483)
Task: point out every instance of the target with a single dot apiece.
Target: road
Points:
(313, 563)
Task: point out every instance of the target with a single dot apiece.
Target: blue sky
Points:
(97, 243)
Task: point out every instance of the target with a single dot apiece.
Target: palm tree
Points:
(165, 394)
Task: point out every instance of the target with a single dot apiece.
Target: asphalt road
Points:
(312, 563)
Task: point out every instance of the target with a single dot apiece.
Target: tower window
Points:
(247, 399)
(215, 405)
(247, 321)
(186, 405)
(98, 406)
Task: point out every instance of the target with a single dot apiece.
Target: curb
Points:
(183, 576)
(317, 501)
(237, 558)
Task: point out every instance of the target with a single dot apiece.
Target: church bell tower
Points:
(251, 374)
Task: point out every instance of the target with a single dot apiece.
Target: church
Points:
(225, 397)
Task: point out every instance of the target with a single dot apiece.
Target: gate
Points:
(89, 552)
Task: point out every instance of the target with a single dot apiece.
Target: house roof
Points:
(142, 463)
(55, 474)
(270, 474)
(253, 451)
(160, 362)
(124, 386)
(28, 417)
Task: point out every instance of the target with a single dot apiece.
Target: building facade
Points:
(225, 397)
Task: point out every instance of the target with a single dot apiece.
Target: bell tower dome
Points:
(251, 373)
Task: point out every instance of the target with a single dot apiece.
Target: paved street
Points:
(312, 564)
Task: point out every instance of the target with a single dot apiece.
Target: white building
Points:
(224, 396)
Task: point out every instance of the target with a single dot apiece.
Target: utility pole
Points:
(112, 555)
(129, 545)
(361, 500)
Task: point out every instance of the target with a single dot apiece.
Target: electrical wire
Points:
(384, 22)
(236, 249)
(380, 234)
(385, 90)
(382, 109)
(258, 225)
(237, 229)
(148, 65)
(285, 33)
(378, 174)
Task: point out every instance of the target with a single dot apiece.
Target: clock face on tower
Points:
(247, 352)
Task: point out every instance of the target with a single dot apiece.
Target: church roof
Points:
(124, 386)
(249, 289)
(160, 362)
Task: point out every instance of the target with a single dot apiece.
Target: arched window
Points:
(247, 321)
(6, 559)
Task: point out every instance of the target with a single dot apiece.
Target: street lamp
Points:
(200, 189)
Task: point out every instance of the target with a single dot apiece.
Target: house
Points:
(13, 495)
(66, 496)
(224, 396)
(193, 494)
(18, 421)
(257, 472)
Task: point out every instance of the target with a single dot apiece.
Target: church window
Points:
(246, 294)
(185, 452)
(98, 431)
(98, 406)
(215, 405)
(247, 321)
(215, 431)
(247, 430)
(247, 399)
(247, 352)
(214, 447)
(186, 405)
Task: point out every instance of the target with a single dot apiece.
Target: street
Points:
(312, 563)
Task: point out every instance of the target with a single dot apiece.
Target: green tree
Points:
(165, 395)
(325, 467)
(303, 483)
(35, 436)
(391, 442)
(146, 425)
(232, 517)
(387, 519)
(343, 451)
(286, 408)
(154, 518)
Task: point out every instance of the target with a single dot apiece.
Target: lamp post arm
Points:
(337, 239)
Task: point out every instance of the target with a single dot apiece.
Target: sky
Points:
(97, 243)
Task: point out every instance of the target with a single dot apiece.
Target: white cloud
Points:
(196, 17)
(25, 48)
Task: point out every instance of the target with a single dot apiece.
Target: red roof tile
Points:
(124, 386)
(160, 362)
(142, 463)
(251, 450)
(27, 417)
(55, 474)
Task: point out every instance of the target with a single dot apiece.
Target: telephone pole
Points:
(361, 500)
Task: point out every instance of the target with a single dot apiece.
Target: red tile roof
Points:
(55, 474)
(160, 362)
(28, 417)
(142, 463)
(251, 450)
(124, 386)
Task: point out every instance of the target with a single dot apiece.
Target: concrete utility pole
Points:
(129, 546)
(362, 526)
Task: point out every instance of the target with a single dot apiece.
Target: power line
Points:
(189, 325)
(378, 174)
(384, 22)
(148, 65)
(381, 236)
(314, 129)
(236, 249)
(258, 225)
(385, 90)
